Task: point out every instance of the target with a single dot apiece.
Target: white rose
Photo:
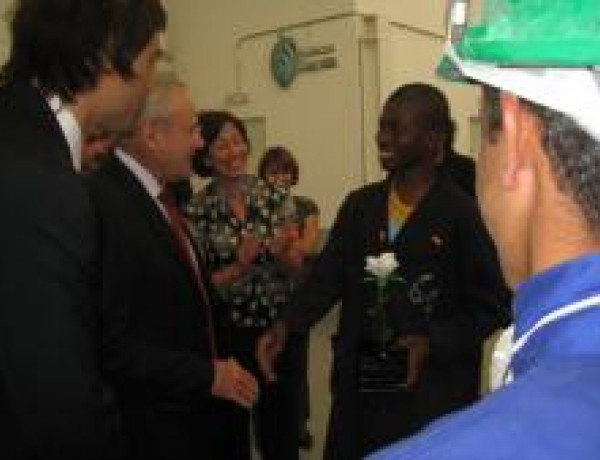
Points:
(382, 266)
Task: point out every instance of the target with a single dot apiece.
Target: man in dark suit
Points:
(75, 67)
(159, 344)
(450, 297)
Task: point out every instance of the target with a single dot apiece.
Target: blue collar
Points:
(552, 289)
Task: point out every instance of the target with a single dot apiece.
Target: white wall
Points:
(318, 117)
(327, 118)
(203, 34)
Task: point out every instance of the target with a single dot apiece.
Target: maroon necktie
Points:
(183, 240)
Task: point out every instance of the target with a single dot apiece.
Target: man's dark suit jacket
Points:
(156, 346)
(451, 276)
(52, 403)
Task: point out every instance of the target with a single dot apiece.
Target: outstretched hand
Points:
(269, 346)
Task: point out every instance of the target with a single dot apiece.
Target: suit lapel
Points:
(27, 118)
(377, 221)
(144, 204)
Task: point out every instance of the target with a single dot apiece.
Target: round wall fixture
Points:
(284, 61)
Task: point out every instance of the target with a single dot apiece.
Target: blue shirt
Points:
(551, 411)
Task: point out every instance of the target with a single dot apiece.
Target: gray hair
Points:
(158, 103)
(574, 155)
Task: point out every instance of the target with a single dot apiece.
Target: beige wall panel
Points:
(318, 117)
(205, 35)
(426, 14)
(408, 55)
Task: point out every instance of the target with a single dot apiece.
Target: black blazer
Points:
(461, 169)
(52, 402)
(155, 332)
(445, 257)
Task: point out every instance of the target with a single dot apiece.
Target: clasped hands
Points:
(281, 246)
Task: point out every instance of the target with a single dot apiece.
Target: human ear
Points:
(511, 127)
(152, 131)
(435, 144)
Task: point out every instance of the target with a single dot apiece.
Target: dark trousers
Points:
(230, 427)
(364, 423)
(276, 413)
(303, 385)
(164, 433)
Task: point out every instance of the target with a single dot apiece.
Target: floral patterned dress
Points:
(255, 298)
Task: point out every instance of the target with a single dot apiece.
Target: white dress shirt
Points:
(152, 186)
(70, 128)
(150, 183)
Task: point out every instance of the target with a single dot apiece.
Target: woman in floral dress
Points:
(248, 230)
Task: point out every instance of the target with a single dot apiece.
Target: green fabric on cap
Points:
(447, 70)
(535, 33)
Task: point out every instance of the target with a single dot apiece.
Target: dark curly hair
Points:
(432, 107)
(64, 45)
(211, 122)
(279, 159)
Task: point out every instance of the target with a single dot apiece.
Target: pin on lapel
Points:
(437, 240)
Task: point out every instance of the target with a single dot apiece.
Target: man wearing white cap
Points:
(538, 183)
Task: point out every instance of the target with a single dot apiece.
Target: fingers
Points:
(246, 383)
(282, 239)
(294, 257)
(246, 394)
(413, 368)
(266, 353)
(245, 387)
(418, 351)
(276, 245)
(248, 250)
(233, 382)
(268, 348)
